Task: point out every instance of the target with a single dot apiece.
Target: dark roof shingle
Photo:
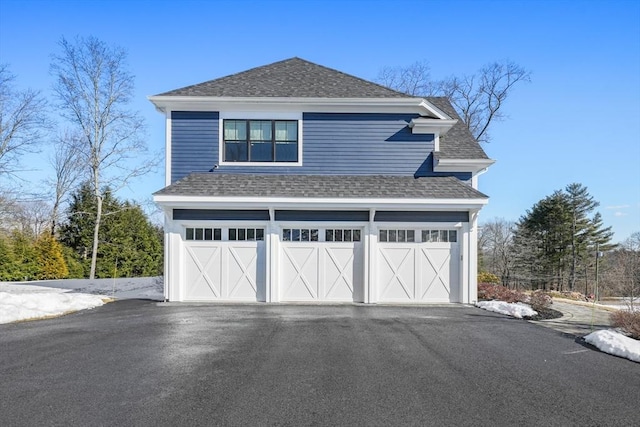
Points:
(292, 77)
(320, 186)
(458, 143)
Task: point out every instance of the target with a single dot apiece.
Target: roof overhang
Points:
(208, 202)
(435, 126)
(229, 103)
(461, 165)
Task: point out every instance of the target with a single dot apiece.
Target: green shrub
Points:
(51, 263)
(486, 277)
(628, 321)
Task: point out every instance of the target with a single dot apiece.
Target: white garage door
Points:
(321, 264)
(224, 264)
(418, 266)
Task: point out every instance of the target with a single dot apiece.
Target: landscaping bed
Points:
(545, 314)
(539, 301)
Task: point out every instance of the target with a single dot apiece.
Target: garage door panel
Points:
(202, 272)
(300, 272)
(224, 271)
(396, 272)
(242, 272)
(436, 274)
(418, 272)
(339, 273)
(320, 271)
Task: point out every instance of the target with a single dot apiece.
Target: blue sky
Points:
(577, 121)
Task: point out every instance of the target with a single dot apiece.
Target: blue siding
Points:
(194, 142)
(333, 144)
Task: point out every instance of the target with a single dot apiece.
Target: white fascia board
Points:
(200, 202)
(435, 126)
(462, 165)
(434, 110)
(229, 103)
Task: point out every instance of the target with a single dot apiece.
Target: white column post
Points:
(167, 255)
(371, 240)
(464, 262)
(473, 257)
(174, 260)
(272, 258)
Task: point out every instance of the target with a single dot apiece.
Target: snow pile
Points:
(518, 309)
(124, 288)
(20, 302)
(615, 343)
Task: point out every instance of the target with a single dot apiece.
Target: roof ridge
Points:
(354, 76)
(312, 69)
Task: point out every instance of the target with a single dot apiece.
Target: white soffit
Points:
(461, 165)
(358, 105)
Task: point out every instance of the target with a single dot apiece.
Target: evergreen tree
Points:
(77, 232)
(564, 233)
(546, 223)
(585, 231)
(9, 270)
(130, 246)
(51, 264)
(24, 254)
(74, 266)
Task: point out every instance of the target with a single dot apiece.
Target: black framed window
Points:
(260, 140)
(299, 235)
(246, 234)
(340, 235)
(203, 234)
(397, 235)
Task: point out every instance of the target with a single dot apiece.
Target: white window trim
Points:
(257, 115)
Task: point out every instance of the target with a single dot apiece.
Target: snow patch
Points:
(615, 343)
(32, 302)
(518, 309)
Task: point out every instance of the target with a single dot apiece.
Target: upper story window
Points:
(260, 140)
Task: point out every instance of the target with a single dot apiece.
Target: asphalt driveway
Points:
(144, 363)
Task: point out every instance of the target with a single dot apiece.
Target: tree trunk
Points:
(96, 230)
(54, 215)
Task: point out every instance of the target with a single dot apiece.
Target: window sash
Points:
(262, 141)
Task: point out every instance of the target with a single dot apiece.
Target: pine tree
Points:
(9, 269)
(583, 229)
(130, 246)
(564, 233)
(26, 262)
(51, 264)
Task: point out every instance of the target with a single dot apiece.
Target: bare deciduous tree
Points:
(496, 236)
(623, 275)
(22, 122)
(68, 168)
(94, 88)
(478, 98)
(31, 217)
(414, 80)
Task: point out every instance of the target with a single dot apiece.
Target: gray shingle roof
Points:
(217, 184)
(458, 143)
(292, 77)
